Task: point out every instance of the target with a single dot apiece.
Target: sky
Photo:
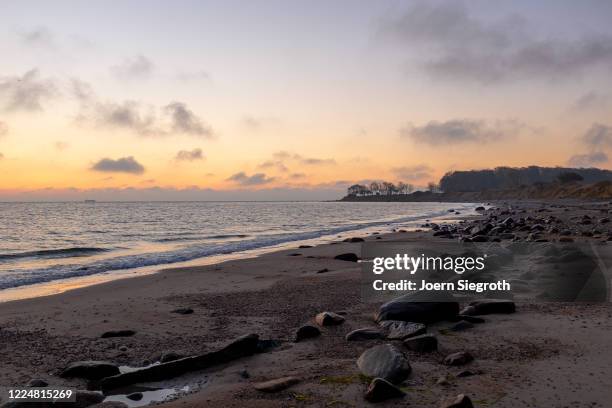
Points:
(293, 100)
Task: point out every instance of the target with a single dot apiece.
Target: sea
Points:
(47, 242)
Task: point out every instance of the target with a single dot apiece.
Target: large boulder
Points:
(329, 319)
(241, 347)
(418, 312)
(364, 334)
(381, 390)
(349, 257)
(400, 330)
(489, 306)
(91, 370)
(424, 343)
(277, 384)
(306, 332)
(384, 361)
(460, 401)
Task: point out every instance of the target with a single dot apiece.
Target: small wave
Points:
(55, 253)
(200, 238)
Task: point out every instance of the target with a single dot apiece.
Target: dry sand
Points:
(545, 355)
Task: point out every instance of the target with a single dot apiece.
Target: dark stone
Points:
(183, 311)
(276, 385)
(400, 330)
(350, 257)
(263, 346)
(135, 396)
(479, 208)
(459, 358)
(380, 390)
(460, 401)
(354, 239)
(479, 238)
(565, 239)
(306, 332)
(384, 361)
(424, 343)
(91, 370)
(465, 373)
(364, 334)
(37, 383)
(489, 306)
(244, 374)
(84, 399)
(170, 356)
(109, 404)
(471, 319)
(329, 319)
(461, 326)
(323, 270)
(305, 246)
(418, 312)
(118, 333)
(241, 347)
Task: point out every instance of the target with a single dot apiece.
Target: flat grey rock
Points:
(384, 361)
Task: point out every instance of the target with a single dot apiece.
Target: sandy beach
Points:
(544, 355)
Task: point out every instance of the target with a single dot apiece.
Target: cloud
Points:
(185, 121)
(452, 43)
(38, 37)
(598, 136)
(412, 173)
(3, 129)
(597, 139)
(277, 164)
(121, 165)
(251, 123)
(457, 131)
(128, 115)
(297, 176)
(193, 76)
(1, 156)
(60, 145)
(135, 116)
(313, 161)
(281, 157)
(189, 155)
(26, 93)
(588, 159)
(590, 101)
(137, 67)
(254, 180)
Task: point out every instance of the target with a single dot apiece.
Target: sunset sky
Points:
(248, 100)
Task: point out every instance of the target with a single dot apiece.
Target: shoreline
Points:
(274, 294)
(60, 286)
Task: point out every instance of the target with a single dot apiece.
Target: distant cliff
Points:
(512, 178)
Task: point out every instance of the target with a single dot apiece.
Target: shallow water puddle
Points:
(149, 395)
(128, 369)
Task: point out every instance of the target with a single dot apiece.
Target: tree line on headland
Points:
(477, 181)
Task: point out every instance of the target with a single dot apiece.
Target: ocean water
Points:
(43, 242)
